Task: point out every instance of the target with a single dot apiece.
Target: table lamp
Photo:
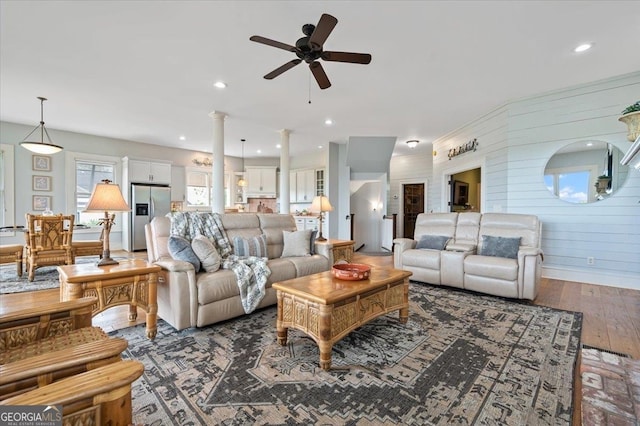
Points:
(321, 204)
(106, 197)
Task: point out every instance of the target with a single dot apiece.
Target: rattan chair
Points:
(89, 247)
(48, 241)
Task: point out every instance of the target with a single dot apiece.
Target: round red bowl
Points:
(351, 271)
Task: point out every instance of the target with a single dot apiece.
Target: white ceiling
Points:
(143, 70)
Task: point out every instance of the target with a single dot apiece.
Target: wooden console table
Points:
(131, 282)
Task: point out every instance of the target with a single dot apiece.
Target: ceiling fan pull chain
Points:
(309, 89)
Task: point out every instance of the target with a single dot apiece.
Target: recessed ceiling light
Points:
(220, 84)
(589, 144)
(328, 122)
(182, 138)
(583, 47)
(259, 151)
(278, 146)
(319, 146)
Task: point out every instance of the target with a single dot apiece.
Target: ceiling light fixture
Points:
(583, 47)
(220, 84)
(413, 143)
(41, 147)
(182, 138)
(328, 122)
(278, 146)
(242, 181)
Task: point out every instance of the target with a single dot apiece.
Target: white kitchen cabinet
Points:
(142, 171)
(302, 186)
(240, 192)
(261, 182)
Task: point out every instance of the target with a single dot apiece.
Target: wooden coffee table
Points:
(327, 309)
(131, 282)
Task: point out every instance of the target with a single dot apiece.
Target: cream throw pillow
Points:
(296, 243)
(206, 252)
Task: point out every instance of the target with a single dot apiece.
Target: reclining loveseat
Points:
(493, 253)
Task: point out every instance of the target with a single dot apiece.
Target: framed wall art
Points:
(41, 202)
(41, 163)
(41, 183)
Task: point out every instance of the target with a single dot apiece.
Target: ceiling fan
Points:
(309, 49)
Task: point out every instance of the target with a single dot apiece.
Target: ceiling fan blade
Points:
(353, 58)
(269, 42)
(320, 75)
(273, 74)
(326, 24)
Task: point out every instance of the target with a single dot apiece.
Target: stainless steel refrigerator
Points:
(147, 202)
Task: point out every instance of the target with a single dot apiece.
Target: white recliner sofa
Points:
(493, 253)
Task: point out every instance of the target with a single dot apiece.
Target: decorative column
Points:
(217, 171)
(285, 188)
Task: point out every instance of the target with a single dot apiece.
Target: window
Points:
(7, 186)
(88, 174)
(83, 172)
(200, 189)
(574, 186)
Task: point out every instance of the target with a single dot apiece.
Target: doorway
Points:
(413, 205)
(465, 188)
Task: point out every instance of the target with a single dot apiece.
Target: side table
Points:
(336, 250)
(131, 282)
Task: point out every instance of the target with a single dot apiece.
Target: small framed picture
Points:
(41, 202)
(41, 163)
(41, 183)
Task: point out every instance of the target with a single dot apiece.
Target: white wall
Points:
(13, 134)
(516, 141)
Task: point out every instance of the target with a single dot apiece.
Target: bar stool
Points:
(12, 253)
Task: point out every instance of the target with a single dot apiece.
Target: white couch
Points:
(459, 263)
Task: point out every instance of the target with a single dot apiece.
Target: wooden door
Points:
(413, 196)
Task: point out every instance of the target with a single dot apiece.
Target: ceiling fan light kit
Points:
(310, 48)
(412, 143)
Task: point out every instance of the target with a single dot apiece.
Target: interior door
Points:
(413, 196)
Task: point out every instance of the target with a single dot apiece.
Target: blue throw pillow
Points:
(180, 249)
(254, 246)
(500, 246)
(434, 242)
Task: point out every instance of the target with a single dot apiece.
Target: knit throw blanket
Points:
(251, 272)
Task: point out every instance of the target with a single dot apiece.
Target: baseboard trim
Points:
(599, 278)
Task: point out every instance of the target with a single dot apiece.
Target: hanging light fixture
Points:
(242, 181)
(41, 147)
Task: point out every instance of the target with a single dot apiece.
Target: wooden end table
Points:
(131, 282)
(327, 309)
(336, 250)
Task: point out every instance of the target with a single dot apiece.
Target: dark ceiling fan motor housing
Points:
(310, 49)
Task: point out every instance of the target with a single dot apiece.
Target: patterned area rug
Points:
(462, 358)
(45, 277)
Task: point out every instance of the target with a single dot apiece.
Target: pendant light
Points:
(242, 181)
(41, 147)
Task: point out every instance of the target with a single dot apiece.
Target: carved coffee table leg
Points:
(133, 312)
(152, 308)
(282, 335)
(280, 329)
(325, 343)
(404, 315)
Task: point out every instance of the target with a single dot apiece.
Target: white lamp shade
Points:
(41, 147)
(321, 204)
(106, 197)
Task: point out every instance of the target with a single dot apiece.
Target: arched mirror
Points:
(585, 172)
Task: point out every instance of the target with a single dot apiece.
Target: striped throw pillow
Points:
(254, 246)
